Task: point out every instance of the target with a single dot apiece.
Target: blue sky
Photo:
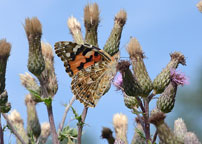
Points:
(160, 26)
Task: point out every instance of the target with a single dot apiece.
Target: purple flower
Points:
(118, 81)
(178, 77)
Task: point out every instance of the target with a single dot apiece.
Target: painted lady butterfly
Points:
(91, 69)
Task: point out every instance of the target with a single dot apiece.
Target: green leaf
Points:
(77, 117)
(47, 101)
(141, 134)
(36, 96)
(68, 135)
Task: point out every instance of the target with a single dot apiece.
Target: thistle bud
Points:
(165, 134)
(18, 123)
(130, 102)
(130, 85)
(3, 98)
(180, 129)
(112, 44)
(49, 72)
(75, 29)
(33, 125)
(107, 134)
(45, 132)
(191, 138)
(120, 122)
(5, 108)
(163, 79)
(33, 30)
(166, 100)
(199, 5)
(136, 55)
(5, 49)
(91, 21)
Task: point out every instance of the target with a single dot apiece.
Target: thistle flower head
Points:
(178, 57)
(134, 48)
(191, 138)
(119, 141)
(180, 128)
(73, 24)
(45, 129)
(107, 134)
(178, 77)
(15, 117)
(120, 122)
(91, 14)
(32, 27)
(118, 81)
(121, 17)
(5, 49)
(199, 5)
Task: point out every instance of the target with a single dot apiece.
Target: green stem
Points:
(1, 132)
(80, 126)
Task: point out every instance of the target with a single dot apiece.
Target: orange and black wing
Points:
(77, 57)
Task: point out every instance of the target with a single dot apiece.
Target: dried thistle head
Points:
(91, 14)
(199, 5)
(45, 132)
(134, 48)
(191, 138)
(18, 123)
(15, 117)
(5, 48)
(29, 82)
(121, 18)
(75, 29)
(120, 122)
(33, 27)
(180, 128)
(107, 134)
(177, 56)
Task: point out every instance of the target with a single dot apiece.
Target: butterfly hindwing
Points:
(87, 86)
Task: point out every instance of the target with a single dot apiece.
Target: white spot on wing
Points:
(68, 54)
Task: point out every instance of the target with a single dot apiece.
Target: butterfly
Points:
(91, 69)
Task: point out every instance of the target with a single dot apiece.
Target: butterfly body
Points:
(91, 69)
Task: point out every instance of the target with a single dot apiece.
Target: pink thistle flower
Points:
(118, 81)
(178, 77)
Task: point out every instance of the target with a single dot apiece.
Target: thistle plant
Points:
(138, 91)
(137, 88)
